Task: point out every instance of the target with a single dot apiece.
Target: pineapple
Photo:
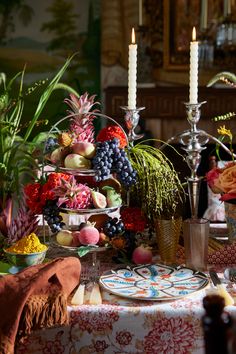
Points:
(24, 224)
(81, 125)
(73, 195)
(64, 139)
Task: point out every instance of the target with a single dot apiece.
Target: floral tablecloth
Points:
(126, 326)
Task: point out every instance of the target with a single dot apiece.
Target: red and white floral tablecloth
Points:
(120, 326)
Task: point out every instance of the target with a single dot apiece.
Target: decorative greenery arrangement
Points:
(159, 189)
(229, 79)
(16, 158)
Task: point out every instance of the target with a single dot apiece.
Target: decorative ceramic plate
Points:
(90, 211)
(153, 282)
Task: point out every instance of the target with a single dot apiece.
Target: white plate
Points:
(153, 282)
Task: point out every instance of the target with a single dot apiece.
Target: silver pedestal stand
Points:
(193, 141)
(131, 121)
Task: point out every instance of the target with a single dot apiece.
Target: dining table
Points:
(123, 324)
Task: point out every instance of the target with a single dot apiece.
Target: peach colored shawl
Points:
(34, 298)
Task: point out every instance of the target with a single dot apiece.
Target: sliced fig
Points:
(99, 200)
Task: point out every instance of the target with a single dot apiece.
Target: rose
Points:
(226, 181)
(212, 177)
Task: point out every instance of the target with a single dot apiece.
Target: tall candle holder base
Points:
(193, 141)
(131, 120)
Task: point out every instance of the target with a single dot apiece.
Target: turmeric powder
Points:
(27, 244)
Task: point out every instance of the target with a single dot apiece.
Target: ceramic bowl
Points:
(25, 260)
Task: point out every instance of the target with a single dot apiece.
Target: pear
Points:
(77, 161)
(113, 198)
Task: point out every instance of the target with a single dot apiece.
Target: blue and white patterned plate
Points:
(153, 282)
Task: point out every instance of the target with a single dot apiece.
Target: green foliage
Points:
(159, 190)
(224, 117)
(224, 76)
(16, 151)
(229, 79)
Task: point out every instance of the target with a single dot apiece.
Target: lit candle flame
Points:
(194, 34)
(133, 36)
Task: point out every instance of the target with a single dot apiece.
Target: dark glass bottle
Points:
(216, 325)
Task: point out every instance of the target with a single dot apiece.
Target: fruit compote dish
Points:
(78, 151)
(92, 173)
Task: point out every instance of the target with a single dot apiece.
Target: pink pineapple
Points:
(81, 125)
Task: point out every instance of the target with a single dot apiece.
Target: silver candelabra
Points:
(193, 141)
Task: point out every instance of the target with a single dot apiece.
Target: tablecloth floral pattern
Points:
(121, 326)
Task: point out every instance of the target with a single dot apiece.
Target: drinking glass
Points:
(196, 234)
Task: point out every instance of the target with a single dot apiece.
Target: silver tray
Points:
(77, 171)
(75, 249)
(90, 211)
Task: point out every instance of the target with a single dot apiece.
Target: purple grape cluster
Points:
(51, 144)
(51, 213)
(109, 157)
(125, 172)
(103, 160)
(113, 227)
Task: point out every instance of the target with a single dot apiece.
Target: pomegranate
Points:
(142, 255)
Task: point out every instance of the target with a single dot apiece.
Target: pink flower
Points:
(212, 177)
(124, 337)
(95, 321)
(227, 196)
(100, 346)
(53, 347)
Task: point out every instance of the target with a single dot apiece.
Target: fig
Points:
(99, 200)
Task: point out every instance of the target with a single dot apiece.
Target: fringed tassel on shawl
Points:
(43, 311)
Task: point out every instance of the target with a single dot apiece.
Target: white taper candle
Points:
(132, 73)
(204, 15)
(227, 8)
(193, 77)
(140, 13)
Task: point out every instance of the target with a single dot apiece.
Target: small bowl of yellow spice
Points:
(26, 252)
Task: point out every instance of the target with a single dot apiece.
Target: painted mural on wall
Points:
(41, 34)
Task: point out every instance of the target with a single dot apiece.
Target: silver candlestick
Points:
(193, 142)
(131, 120)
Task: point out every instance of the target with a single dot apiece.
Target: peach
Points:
(75, 241)
(85, 149)
(64, 238)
